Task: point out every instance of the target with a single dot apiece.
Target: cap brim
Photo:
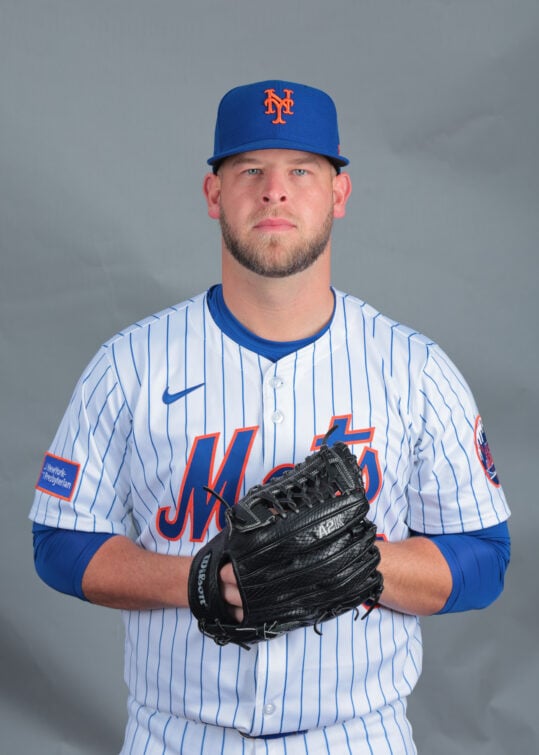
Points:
(338, 160)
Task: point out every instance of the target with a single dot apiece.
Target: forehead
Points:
(277, 157)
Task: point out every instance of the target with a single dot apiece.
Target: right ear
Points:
(212, 192)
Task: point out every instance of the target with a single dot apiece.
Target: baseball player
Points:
(225, 391)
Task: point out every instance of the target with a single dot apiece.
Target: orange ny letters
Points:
(276, 105)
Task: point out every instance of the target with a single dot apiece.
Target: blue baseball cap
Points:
(277, 114)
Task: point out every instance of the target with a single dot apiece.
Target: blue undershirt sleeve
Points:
(478, 561)
(61, 556)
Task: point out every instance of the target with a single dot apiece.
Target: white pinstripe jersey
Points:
(172, 404)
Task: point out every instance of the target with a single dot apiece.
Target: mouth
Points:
(274, 224)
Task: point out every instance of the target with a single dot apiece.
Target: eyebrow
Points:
(244, 159)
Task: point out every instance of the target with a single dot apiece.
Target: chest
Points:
(229, 420)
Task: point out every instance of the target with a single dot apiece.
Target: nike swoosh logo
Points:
(170, 398)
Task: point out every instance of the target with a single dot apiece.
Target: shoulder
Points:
(393, 339)
(130, 354)
(405, 357)
(157, 322)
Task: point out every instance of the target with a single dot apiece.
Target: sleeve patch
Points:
(483, 452)
(58, 477)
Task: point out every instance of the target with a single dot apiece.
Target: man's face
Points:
(276, 209)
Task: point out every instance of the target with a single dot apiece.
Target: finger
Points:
(227, 575)
(230, 592)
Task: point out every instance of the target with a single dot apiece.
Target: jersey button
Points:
(277, 417)
(276, 382)
(269, 709)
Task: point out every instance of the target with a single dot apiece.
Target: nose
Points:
(274, 190)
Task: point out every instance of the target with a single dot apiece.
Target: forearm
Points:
(121, 574)
(417, 578)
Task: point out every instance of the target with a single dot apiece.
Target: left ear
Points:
(342, 188)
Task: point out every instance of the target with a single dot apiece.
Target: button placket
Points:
(275, 382)
(278, 410)
(277, 417)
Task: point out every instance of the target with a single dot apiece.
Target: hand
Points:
(230, 592)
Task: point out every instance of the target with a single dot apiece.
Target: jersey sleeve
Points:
(84, 482)
(453, 485)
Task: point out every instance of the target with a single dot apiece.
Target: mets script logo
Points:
(278, 106)
(197, 506)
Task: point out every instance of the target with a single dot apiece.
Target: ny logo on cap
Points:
(276, 105)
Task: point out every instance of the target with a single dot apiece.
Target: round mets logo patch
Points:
(483, 452)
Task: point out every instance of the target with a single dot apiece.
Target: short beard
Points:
(253, 259)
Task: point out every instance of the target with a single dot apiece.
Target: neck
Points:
(279, 309)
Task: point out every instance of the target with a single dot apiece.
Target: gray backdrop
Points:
(107, 113)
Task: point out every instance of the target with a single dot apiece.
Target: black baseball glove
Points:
(301, 548)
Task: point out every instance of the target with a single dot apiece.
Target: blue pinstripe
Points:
(295, 432)
(470, 476)
(107, 448)
(313, 389)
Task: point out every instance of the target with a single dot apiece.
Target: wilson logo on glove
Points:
(201, 578)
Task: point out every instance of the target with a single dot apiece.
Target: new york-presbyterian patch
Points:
(58, 477)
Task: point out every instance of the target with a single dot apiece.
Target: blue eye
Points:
(253, 171)
(300, 172)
